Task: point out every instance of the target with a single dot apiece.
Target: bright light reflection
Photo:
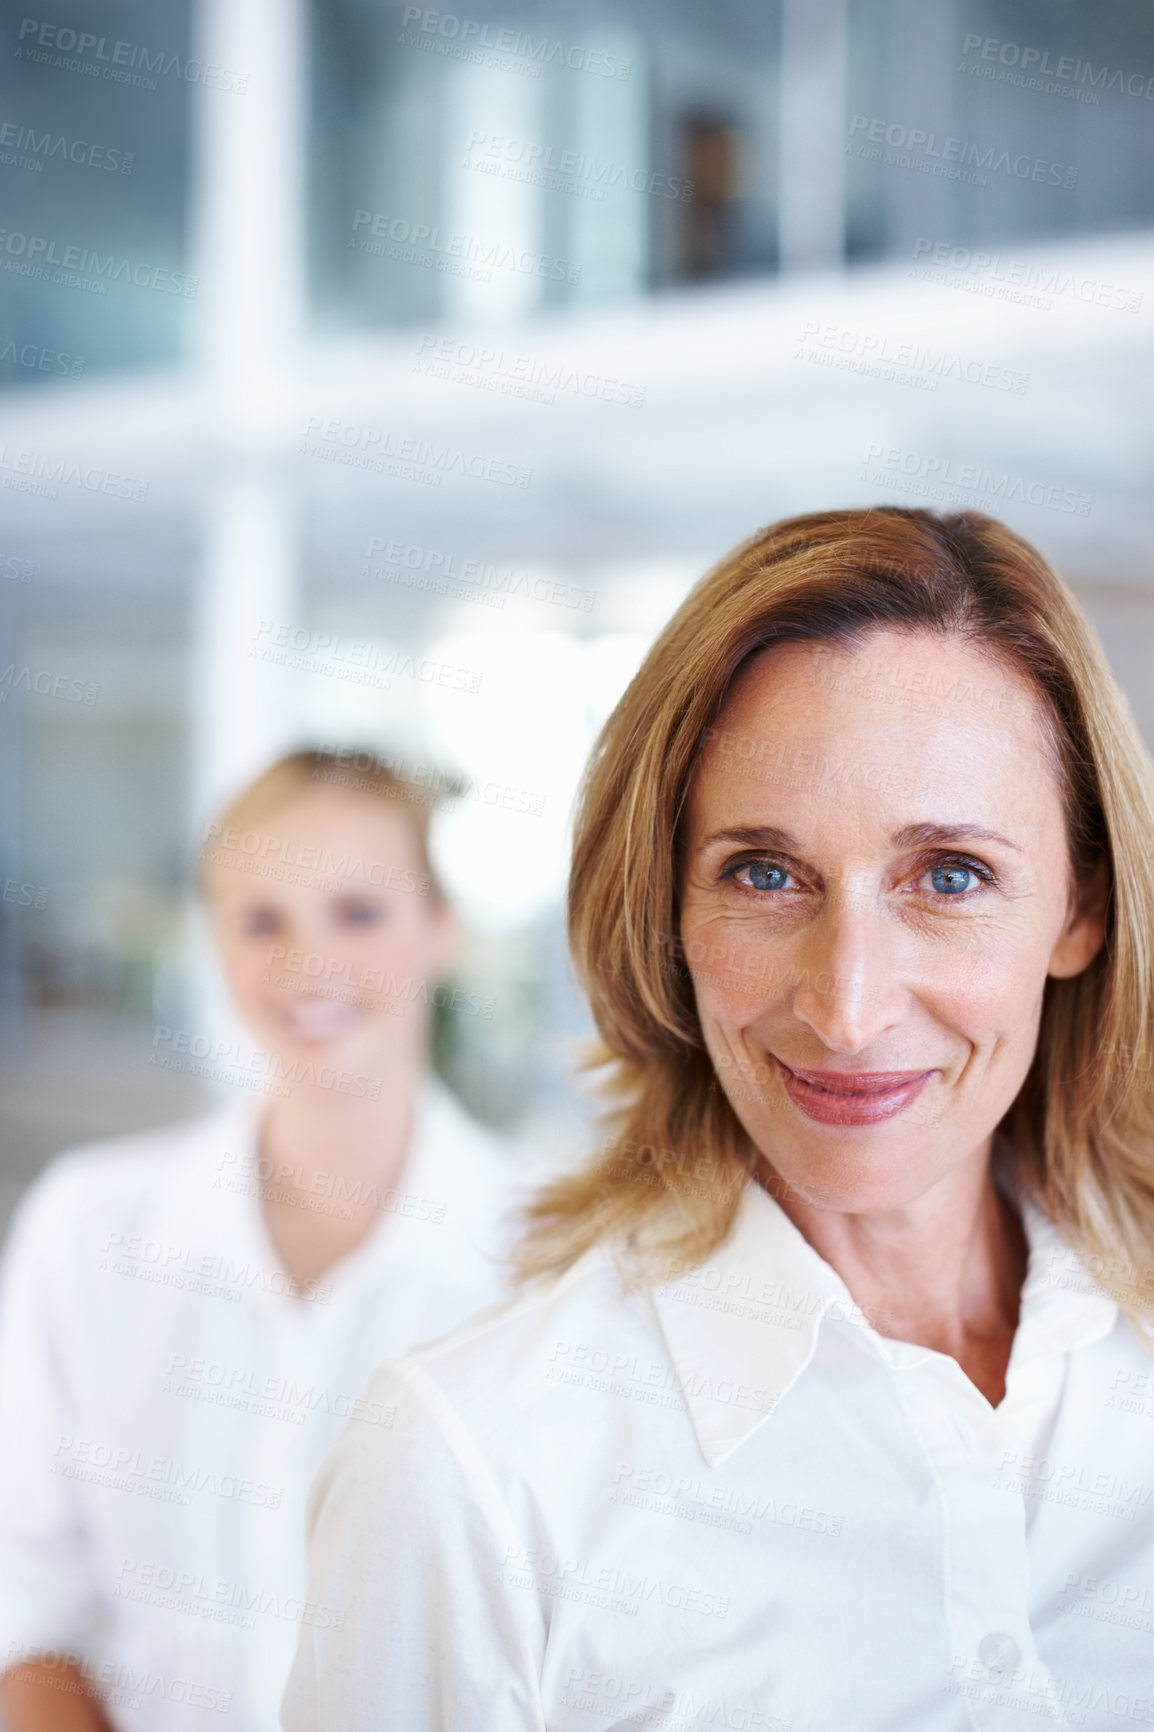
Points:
(523, 741)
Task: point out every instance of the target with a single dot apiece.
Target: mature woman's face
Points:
(876, 884)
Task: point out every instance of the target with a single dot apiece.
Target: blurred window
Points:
(95, 99)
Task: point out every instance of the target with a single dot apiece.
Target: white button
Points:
(999, 1654)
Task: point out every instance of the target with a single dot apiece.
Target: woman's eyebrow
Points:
(917, 835)
(913, 836)
(759, 836)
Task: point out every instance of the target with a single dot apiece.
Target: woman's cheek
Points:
(391, 975)
(250, 981)
(739, 984)
(994, 980)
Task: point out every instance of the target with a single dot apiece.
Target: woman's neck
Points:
(945, 1272)
(327, 1159)
(323, 1129)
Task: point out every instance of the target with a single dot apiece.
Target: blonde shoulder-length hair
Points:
(666, 1184)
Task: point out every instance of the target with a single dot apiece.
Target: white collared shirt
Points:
(729, 1502)
(165, 1399)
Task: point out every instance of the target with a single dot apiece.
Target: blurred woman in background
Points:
(188, 1318)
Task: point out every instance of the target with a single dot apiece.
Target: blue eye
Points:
(360, 913)
(952, 880)
(764, 875)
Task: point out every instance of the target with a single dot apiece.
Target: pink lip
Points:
(832, 1097)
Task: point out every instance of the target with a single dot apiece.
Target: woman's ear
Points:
(1084, 933)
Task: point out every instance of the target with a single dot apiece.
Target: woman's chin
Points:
(862, 1186)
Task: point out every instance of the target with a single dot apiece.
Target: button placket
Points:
(995, 1664)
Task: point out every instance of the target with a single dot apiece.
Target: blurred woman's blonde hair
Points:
(356, 771)
(666, 1185)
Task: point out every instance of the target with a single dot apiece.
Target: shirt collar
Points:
(441, 1211)
(224, 1206)
(1062, 1305)
(742, 1327)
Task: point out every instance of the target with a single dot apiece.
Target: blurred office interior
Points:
(362, 341)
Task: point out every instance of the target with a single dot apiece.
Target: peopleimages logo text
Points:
(125, 62)
(1044, 276)
(15, 139)
(36, 252)
(470, 34)
(487, 252)
(941, 477)
(917, 143)
(1065, 67)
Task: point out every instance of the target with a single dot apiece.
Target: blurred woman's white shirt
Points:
(728, 1501)
(165, 1398)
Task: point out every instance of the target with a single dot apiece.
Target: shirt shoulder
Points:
(124, 1181)
(504, 1377)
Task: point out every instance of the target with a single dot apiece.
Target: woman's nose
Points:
(300, 955)
(847, 990)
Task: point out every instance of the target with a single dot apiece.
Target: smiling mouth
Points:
(316, 1019)
(852, 1097)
